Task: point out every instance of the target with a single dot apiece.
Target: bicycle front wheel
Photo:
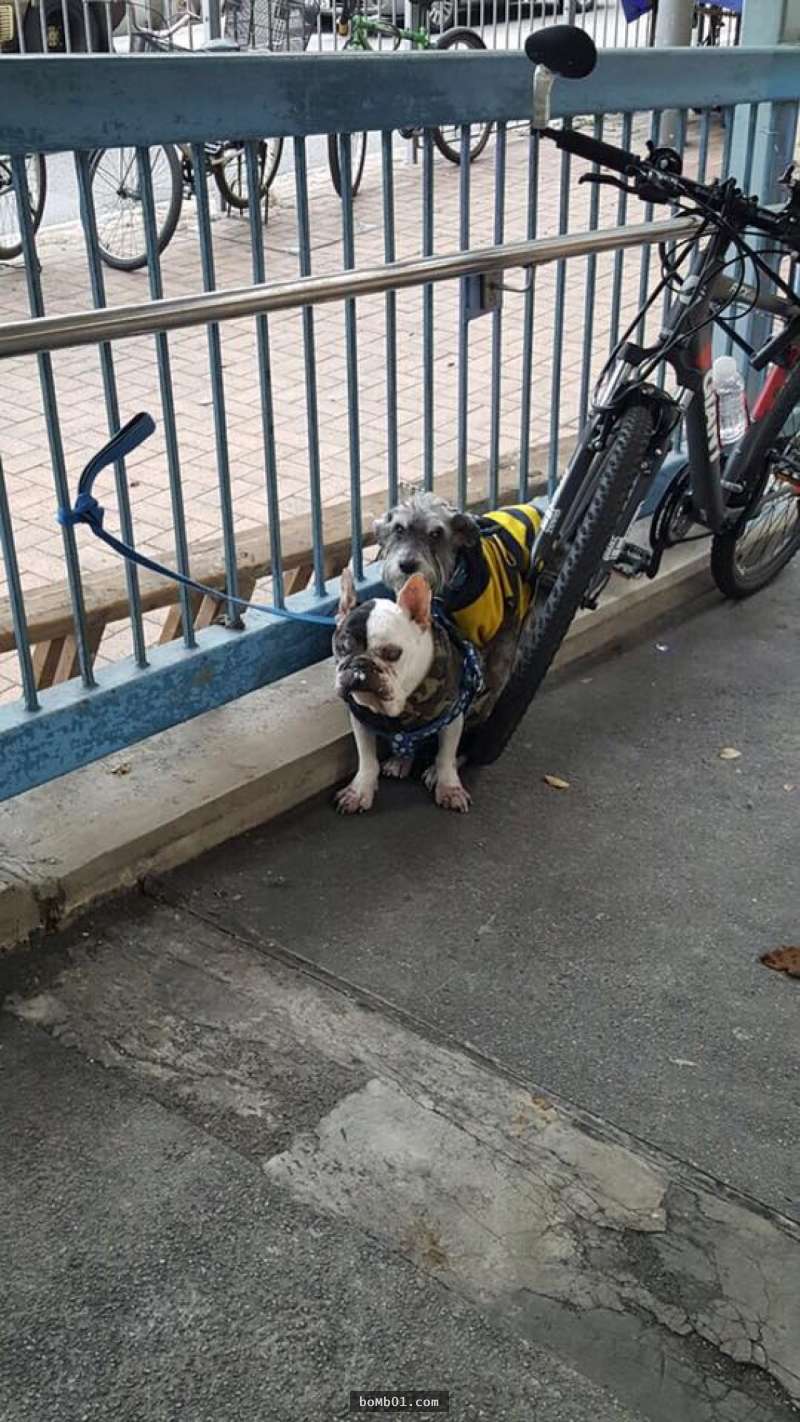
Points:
(747, 557)
(117, 196)
(448, 140)
(230, 172)
(10, 235)
(548, 623)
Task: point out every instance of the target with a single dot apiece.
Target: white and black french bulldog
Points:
(396, 662)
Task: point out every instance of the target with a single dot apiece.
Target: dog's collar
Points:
(405, 742)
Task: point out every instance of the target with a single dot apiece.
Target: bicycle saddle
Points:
(564, 50)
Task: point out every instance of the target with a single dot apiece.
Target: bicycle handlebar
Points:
(582, 145)
(656, 184)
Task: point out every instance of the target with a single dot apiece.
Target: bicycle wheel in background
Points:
(358, 156)
(118, 203)
(448, 139)
(615, 481)
(10, 235)
(230, 171)
(768, 536)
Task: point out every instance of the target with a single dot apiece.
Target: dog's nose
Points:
(408, 565)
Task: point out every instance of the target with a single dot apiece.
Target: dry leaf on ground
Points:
(555, 782)
(124, 768)
(730, 753)
(783, 960)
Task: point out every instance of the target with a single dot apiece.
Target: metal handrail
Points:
(84, 328)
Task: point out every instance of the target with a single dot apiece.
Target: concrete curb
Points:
(65, 844)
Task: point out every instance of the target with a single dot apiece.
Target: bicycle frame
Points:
(713, 488)
(362, 28)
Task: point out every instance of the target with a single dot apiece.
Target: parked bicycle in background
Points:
(360, 31)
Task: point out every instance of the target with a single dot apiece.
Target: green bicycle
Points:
(360, 30)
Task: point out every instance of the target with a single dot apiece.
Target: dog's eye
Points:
(392, 654)
(436, 535)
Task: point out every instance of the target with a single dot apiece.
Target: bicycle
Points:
(10, 235)
(747, 500)
(359, 29)
(114, 172)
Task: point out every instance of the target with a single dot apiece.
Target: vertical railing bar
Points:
(389, 254)
(19, 28)
(87, 28)
(497, 319)
(310, 363)
(50, 402)
(65, 23)
(351, 344)
(661, 373)
(619, 256)
(265, 379)
(43, 28)
(730, 113)
(233, 616)
(591, 285)
(681, 134)
(745, 179)
(97, 281)
(751, 143)
(702, 157)
(558, 327)
(427, 311)
(167, 393)
(19, 620)
(527, 319)
(644, 270)
(463, 334)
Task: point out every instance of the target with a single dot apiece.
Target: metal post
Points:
(212, 25)
(767, 22)
(762, 155)
(673, 30)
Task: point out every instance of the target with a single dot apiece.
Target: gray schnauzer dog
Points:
(480, 569)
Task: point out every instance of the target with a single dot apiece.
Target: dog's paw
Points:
(398, 767)
(355, 799)
(452, 797)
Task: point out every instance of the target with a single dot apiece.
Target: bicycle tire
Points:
(9, 250)
(466, 39)
(547, 626)
(732, 579)
(166, 231)
(269, 158)
(358, 158)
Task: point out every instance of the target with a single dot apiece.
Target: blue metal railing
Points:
(158, 100)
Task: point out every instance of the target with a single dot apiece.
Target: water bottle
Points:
(731, 407)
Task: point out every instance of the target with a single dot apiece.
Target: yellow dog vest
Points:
(495, 577)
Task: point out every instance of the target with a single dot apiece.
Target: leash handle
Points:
(86, 509)
(123, 442)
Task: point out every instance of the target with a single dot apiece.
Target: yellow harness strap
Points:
(500, 579)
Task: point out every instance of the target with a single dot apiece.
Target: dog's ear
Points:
(415, 599)
(465, 530)
(347, 596)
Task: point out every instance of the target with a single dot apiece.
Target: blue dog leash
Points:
(86, 509)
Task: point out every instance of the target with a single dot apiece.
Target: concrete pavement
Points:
(298, 1118)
